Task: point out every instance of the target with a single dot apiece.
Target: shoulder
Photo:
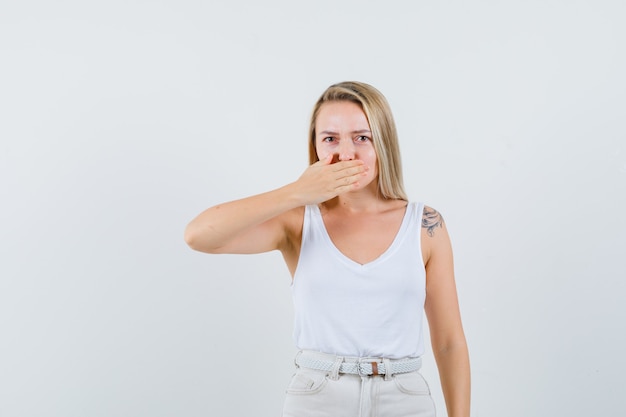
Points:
(292, 219)
(432, 220)
(434, 237)
(292, 222)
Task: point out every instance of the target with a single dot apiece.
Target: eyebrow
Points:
(330, 132)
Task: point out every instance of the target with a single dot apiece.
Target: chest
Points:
(364, 237)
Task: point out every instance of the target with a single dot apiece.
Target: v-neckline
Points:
(380, 258)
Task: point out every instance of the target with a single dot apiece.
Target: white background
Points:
(121, 120)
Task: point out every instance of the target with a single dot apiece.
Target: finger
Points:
(345, 188)
(352, 171)
(343, 165)
(349, 181)
(327, 160)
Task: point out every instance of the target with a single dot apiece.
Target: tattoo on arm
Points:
(431, 219)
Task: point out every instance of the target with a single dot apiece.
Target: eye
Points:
(362, 139)
(328, 139)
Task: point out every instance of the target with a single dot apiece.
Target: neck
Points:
(357, 201)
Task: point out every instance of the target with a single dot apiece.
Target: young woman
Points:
(365, 263)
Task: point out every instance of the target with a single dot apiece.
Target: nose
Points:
(346, 150)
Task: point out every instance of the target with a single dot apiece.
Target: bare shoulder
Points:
(293, 219)
(292, 222)
(432, 221)
(436, 247)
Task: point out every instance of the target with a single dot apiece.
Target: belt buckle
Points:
(361, 372)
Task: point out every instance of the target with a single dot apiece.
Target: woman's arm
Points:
(444, 318)
(257, 224)
(250, 225)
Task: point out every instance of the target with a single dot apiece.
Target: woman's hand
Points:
(325, 180)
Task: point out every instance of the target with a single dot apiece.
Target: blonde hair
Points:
(382, 125)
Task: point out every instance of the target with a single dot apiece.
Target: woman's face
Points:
(342, 129)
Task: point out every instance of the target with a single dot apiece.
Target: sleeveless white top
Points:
(372, 310)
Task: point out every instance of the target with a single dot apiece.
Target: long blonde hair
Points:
(382, 125)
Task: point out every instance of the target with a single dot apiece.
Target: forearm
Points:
(454, 373)
(217, 226)
(239, 226)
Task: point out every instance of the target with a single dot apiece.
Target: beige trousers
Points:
(313, 393)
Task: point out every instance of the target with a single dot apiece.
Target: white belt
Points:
(363, 367)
